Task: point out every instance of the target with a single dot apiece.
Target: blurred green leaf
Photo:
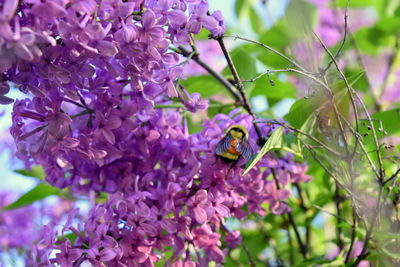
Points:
(275, 141)
(216, 107)
(279, 35)
(388, 25)
(385, 123)
(35, 172)
(255, 21)
(302, 109)
(387, 251)
(255, 243)
(372, 40)
(203, 34)
(244, 62)
(239, 7)
(276, 90)
(356, 3)
(206, 85)
(301, 16)
(390, 120)
(39, 192)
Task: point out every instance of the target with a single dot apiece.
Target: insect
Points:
(234, 145)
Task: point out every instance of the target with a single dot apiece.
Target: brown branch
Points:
(338, 201)
(245, 248)
(239, 86)
(302, 247)
(343, 40)
(186, 53)
(353, 236)
(392, 177)
(349, 89)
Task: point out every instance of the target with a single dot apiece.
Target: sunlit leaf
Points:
(206, 85)
(275, 141)
(35, 172)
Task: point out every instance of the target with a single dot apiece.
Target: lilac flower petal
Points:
(106, 48)
(4, 100)
(200, 215)
(9, 7)
(23, 52)
(177, 17)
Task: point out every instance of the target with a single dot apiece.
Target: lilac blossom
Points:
(95, 74)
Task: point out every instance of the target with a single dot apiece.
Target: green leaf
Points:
(70, 236)
(385, 249)
(390, 120)
(244, 62)
(255, 21)
(389, 25)
(40, 192)
(353, 79)
(384, 122)
(278, 36)
(206, 85)
(35, 172)
(301, 16)
(239, 7)
(274, 142)
(302, 109)
(276, 90)
(373, 40)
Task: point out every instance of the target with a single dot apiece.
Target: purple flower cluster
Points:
(96, 72)
(97, 81)
(177, 199)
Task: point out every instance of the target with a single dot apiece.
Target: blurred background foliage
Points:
(369, 60)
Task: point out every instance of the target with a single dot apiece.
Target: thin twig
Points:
(302, 246)
(338, 201)
(331, 150)
(359, 141)
(313, 154)
(239, 86)
(368, 235)
(378, 152)
(294, 63)
(330, 213)
(349, 89)
(186, 53)
(353, 236)
(392, 177)
(245, 248)
(79, 261)
(343, 40)
(305, 74)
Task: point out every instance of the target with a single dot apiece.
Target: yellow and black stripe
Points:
(234, 145)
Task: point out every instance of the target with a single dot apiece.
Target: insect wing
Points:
(245, 150)
(223, 145)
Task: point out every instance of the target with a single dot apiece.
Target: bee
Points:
(234, 144)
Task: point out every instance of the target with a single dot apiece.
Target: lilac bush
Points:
(95, 74)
